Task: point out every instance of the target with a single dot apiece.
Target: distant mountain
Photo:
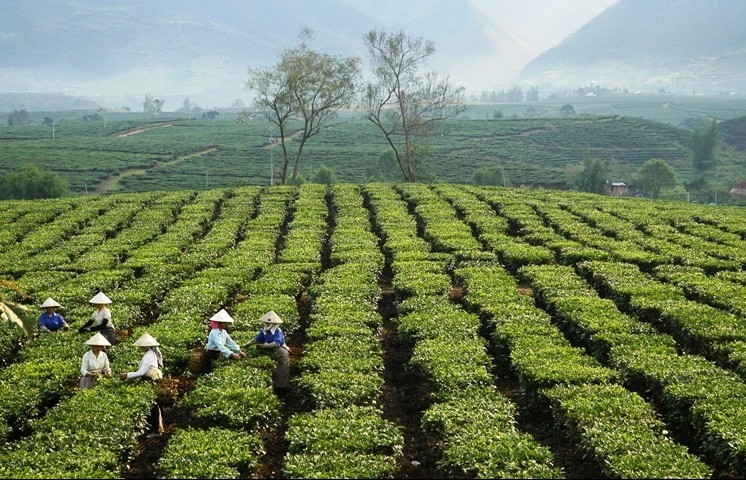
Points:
(682, 46)
(201, 49)
(116, 51)
(44, 102)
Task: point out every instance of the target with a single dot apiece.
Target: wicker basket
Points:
(195, 360)
(167, 390)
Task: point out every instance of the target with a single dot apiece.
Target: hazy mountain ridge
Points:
(685, 46)
(117, 51)
(203, 49)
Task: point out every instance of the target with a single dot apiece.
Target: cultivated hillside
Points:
(733, 132)
(531, 151)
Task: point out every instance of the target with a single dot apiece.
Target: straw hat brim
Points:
(100, 299)
(50, 302)
(98, 340)
(271, 317)
(222, 316)
(146, 341)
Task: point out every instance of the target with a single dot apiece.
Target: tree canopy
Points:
(567, 110)
(324, 175)
(152, 105)
(490, 175)
(20, 117)
(29, 182)
(594, 177)
(654, 176)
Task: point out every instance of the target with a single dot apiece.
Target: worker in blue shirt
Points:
(219, 342)
(50, 320)
(270, 337)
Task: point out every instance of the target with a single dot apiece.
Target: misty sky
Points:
(548, 22)
(533, 26)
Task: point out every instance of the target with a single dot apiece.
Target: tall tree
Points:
(703, 143)
(594, 177)
(274, 101)
(306, 85)
(698, 186)
(654, 176)
(404, 103)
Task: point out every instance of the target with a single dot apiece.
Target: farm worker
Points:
(151, 365)
(100, 320)
(270, 337)
(95, 361)
(218, 341)
(50, 320)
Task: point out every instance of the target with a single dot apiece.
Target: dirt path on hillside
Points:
(135, 131)
(111, 184)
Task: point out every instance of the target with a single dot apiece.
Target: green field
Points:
(436, 331)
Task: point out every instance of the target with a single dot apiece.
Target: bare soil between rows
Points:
(406, 394)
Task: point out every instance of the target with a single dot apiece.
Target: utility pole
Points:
(271, 159)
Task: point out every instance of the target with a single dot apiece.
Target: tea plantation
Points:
(436, 330)
(202, 154)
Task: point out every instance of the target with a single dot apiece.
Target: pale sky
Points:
(524, 30)
(547, 21)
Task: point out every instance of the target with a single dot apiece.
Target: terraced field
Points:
(532, 152)
(436, 331)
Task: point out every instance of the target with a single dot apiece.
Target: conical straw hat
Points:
(100, 299)
(99, 340)
(146, 341)
(222, 316)
(50, 302)
(271, 317)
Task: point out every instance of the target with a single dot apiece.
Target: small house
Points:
(739, 190)
(618, 188)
